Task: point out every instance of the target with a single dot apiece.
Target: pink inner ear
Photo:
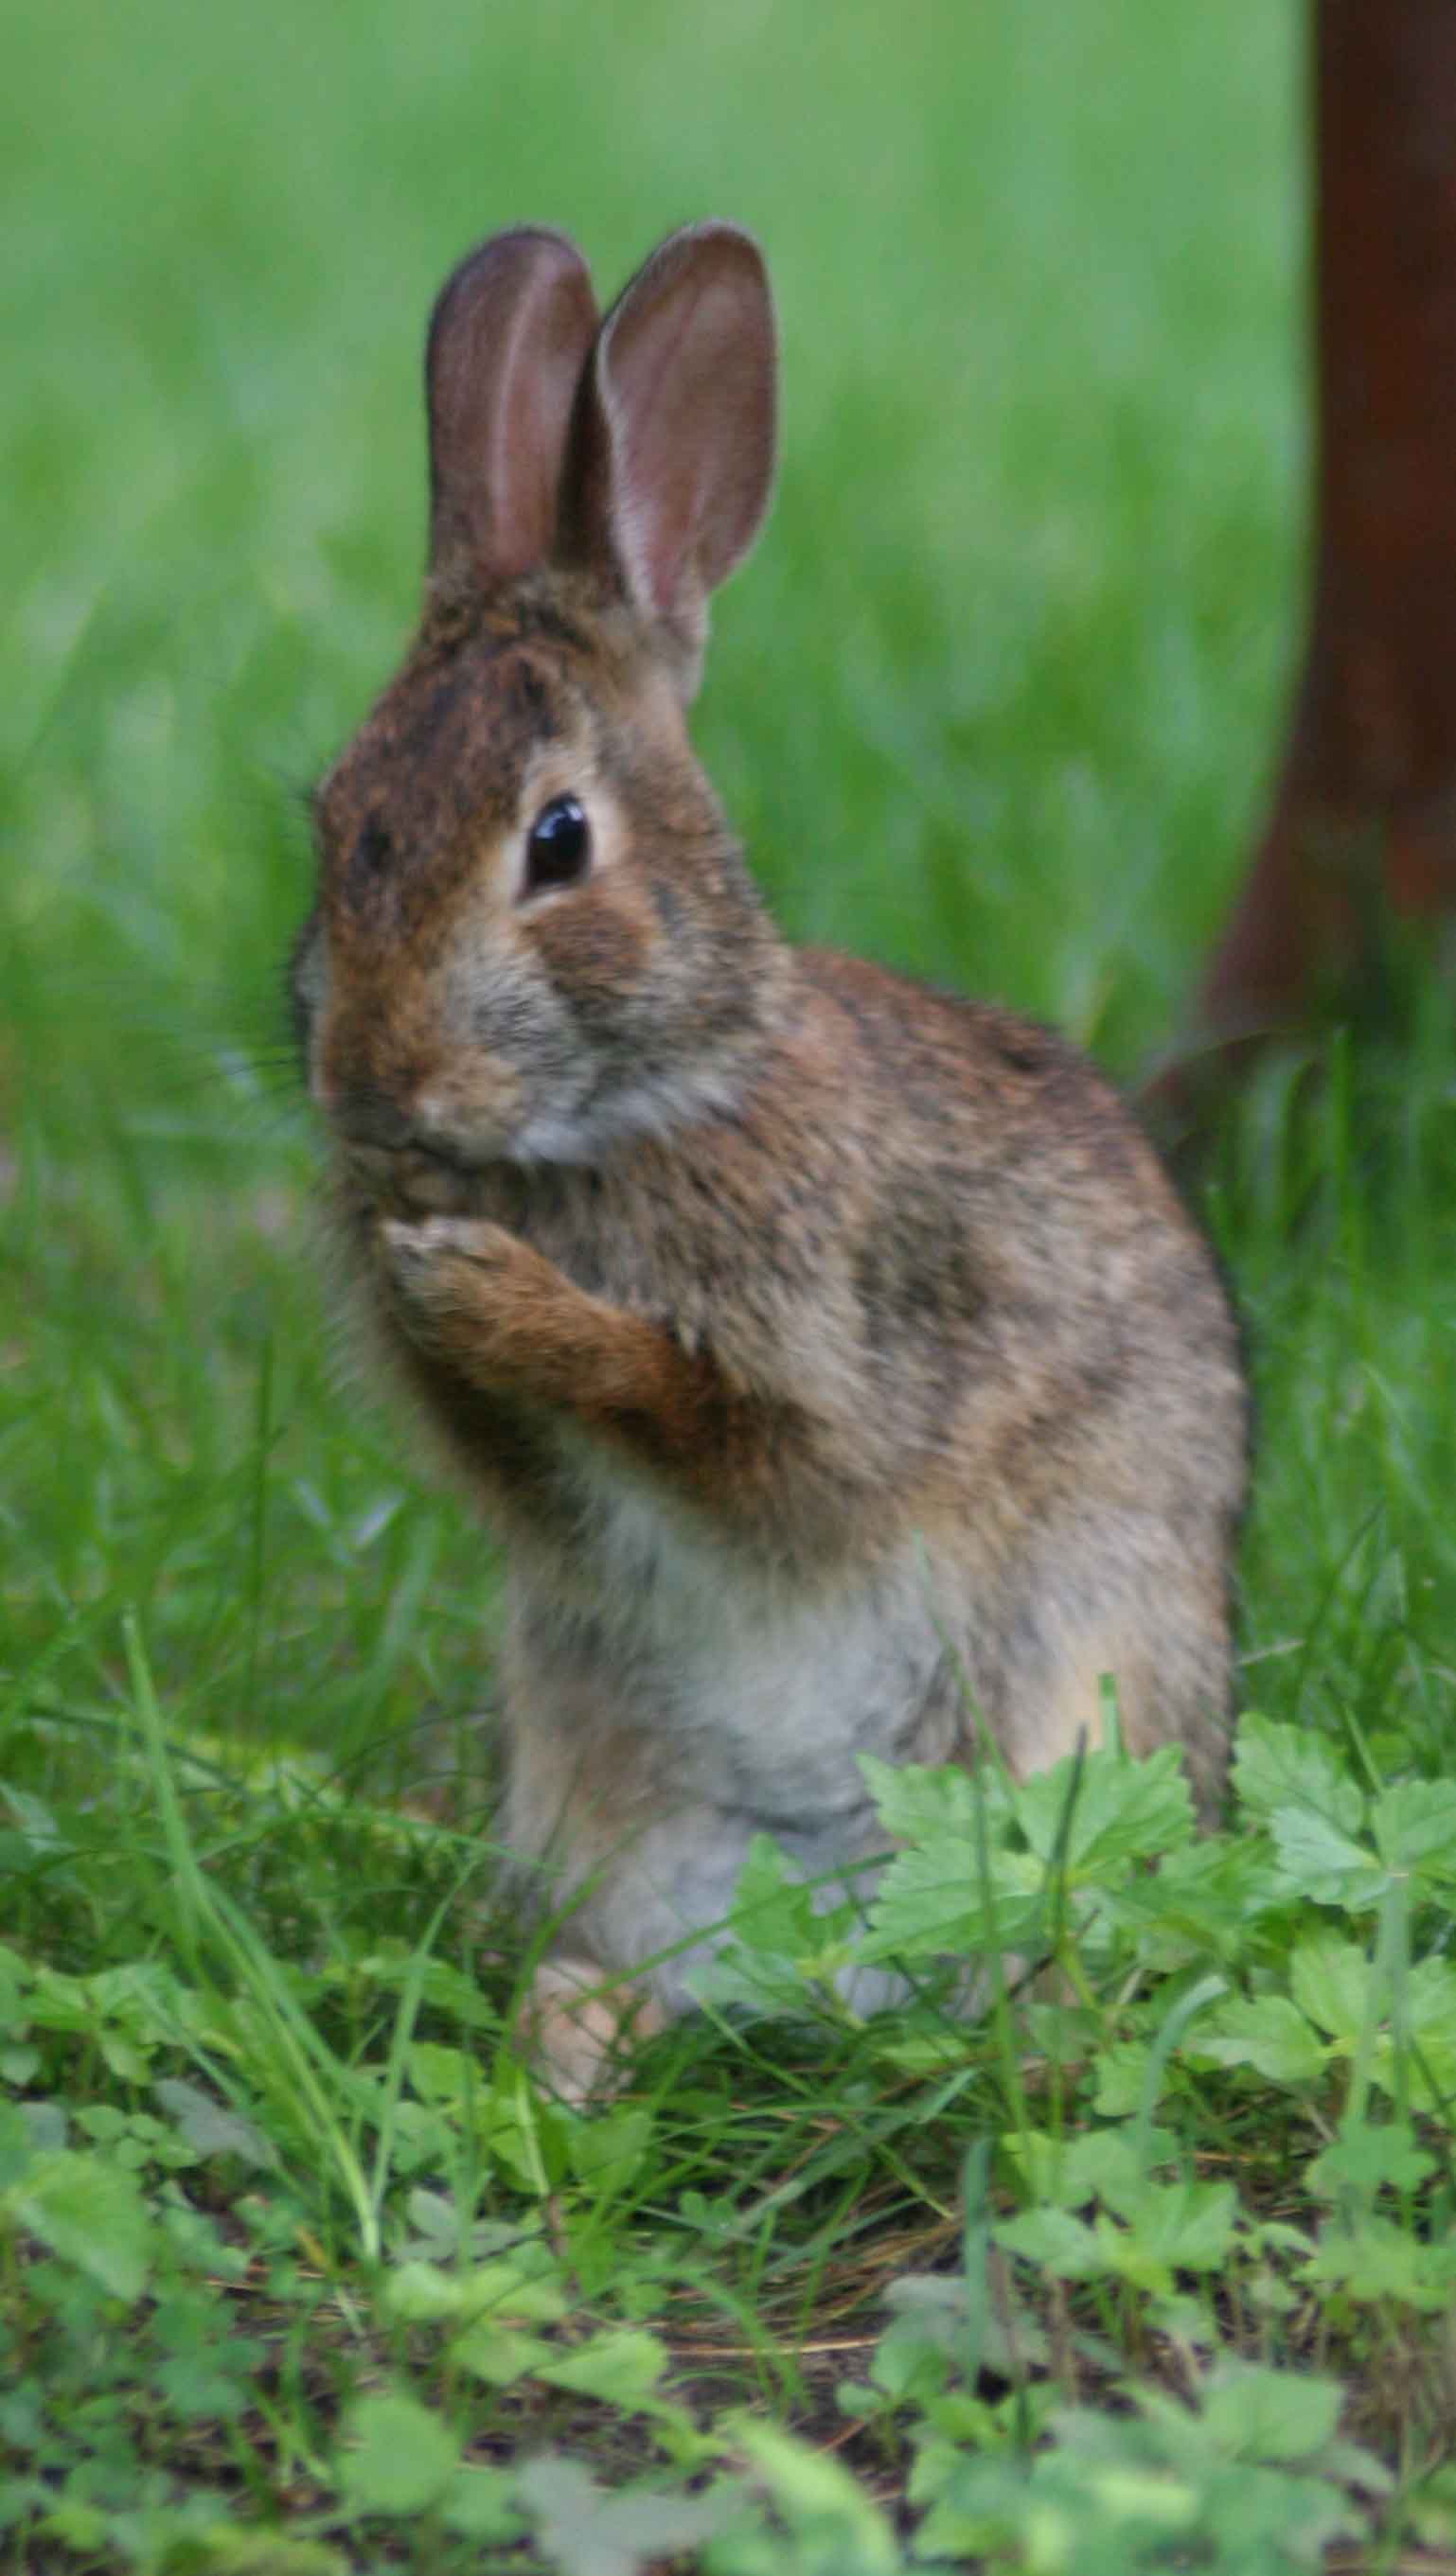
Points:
(509, 339)
(685, 384)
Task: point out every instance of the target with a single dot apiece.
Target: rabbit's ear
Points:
(509, 338)
(678, 426)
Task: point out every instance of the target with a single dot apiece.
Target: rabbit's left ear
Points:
(676, 451)
(509, 337)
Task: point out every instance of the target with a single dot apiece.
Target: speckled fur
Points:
(818, 1343)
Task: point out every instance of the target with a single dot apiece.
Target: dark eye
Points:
(558, 846)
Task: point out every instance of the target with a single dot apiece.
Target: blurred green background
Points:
(996, 695)
(996, 698)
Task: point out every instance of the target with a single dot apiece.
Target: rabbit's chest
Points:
(759, 1692)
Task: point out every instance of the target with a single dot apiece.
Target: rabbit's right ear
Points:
(509, 337)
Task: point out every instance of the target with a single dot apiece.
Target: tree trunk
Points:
(1362, 831)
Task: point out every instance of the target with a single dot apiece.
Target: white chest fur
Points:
(754, 1691)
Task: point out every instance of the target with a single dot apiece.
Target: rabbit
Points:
(831, 1353)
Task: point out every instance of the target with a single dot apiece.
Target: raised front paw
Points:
(457, 1280)
(503, 1317)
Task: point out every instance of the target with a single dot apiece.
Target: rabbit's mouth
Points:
(415, 1181)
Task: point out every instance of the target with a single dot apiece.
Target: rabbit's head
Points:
(534, 933)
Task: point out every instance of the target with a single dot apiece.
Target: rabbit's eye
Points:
(558, 846)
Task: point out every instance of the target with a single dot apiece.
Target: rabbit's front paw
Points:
(499, 1314)
(457, 1279)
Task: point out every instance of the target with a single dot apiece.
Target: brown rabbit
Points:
(830, 1352)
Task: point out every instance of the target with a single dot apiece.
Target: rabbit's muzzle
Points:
(394, 1161)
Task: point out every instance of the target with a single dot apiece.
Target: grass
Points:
(299, 2272)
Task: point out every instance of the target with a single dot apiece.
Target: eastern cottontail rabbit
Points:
(829, 1351)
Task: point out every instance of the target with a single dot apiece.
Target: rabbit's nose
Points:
(366, 1117)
